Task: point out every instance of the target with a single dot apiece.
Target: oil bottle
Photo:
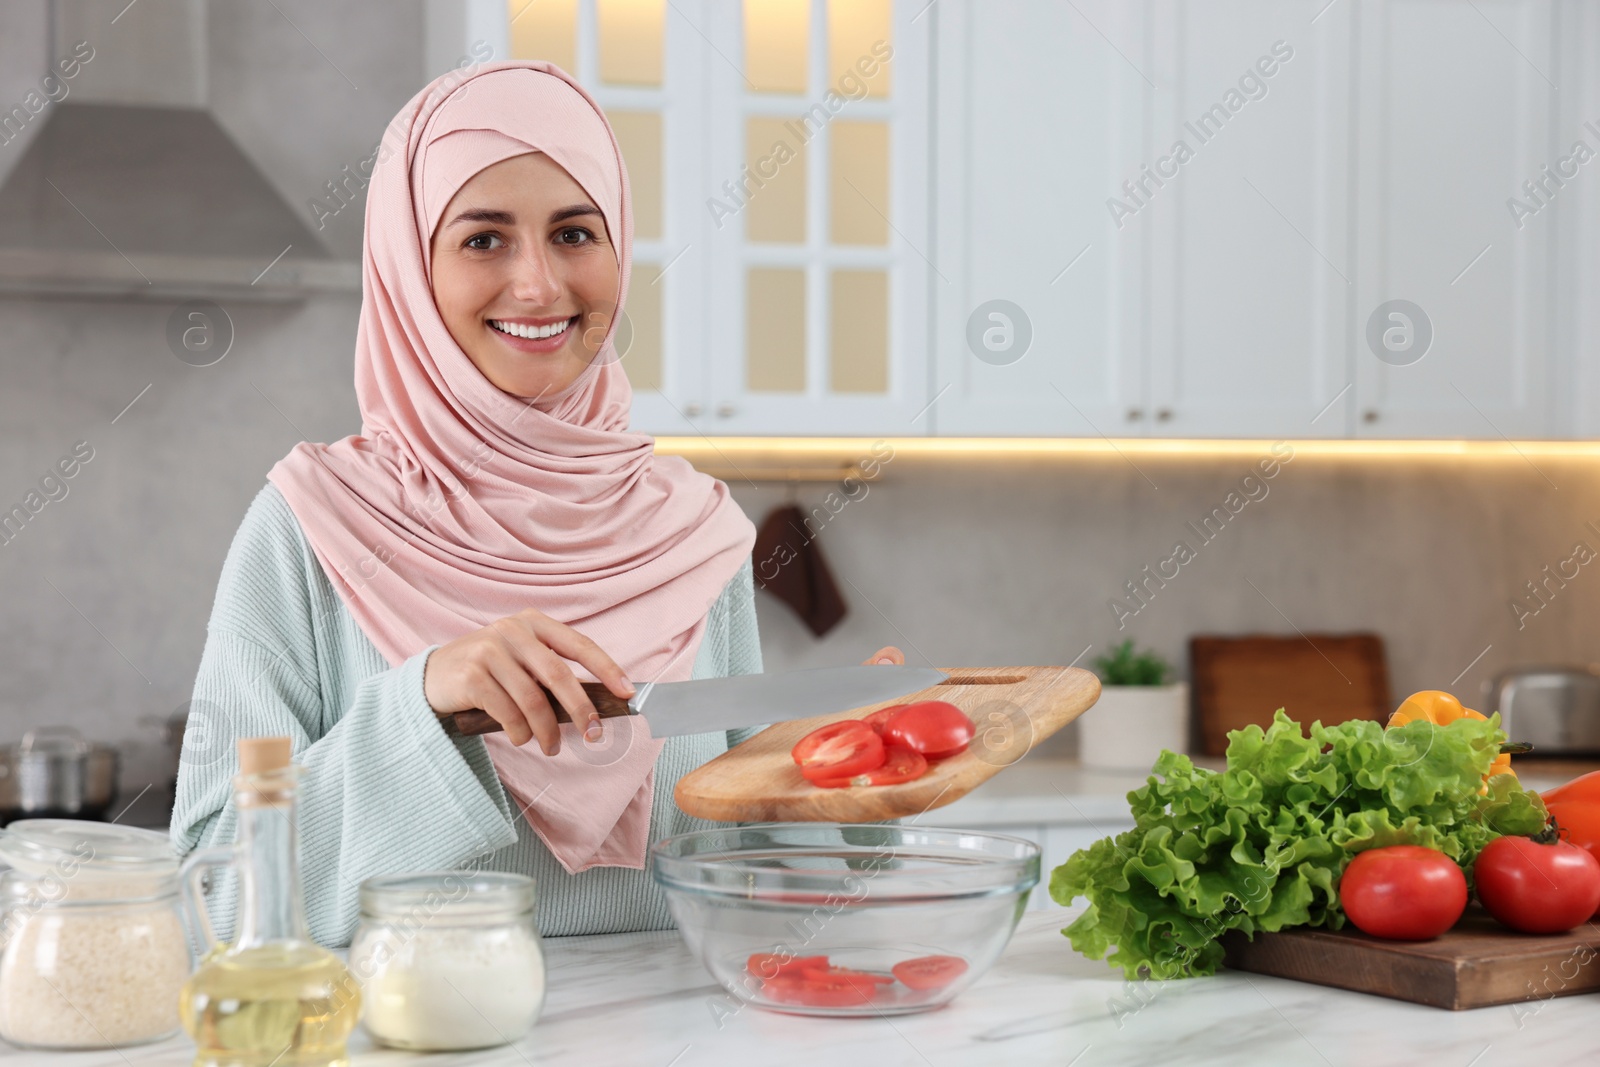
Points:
(272, 997)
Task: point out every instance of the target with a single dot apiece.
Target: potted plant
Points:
(1139, 712)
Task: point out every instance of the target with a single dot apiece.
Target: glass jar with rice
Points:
(95, 948)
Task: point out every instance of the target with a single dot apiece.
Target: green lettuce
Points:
(1261, 845)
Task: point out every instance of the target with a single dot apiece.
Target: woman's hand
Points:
(887, 654)
(499, 669)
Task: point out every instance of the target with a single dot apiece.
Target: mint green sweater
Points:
(385, 789)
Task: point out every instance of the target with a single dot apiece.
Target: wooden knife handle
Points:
(475, 721)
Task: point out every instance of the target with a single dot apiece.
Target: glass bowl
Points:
(907, 916)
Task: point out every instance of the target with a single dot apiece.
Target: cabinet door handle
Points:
(1135, 414)
(726, 409)
(691, 408)
(1369, 415)
(1164, 415)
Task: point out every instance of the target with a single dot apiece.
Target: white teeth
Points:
(532, 333)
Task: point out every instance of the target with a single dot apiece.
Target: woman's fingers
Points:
(550, 669)
(575, 646)
(504, 710)
(887, 654)
(502, 667)
(511, 675)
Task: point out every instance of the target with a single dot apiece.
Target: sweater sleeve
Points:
(386, 788)
(744, 639)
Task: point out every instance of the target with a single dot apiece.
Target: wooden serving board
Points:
(1477, 964)
(1014, 708)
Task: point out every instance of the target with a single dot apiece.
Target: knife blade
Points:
(702, 705)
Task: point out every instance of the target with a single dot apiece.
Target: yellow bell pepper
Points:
(1440, 708)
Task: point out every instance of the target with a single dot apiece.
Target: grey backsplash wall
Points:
(965, 562)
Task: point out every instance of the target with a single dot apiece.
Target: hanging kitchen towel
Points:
(789, 565)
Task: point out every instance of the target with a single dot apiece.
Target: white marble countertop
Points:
(641, 1000)
(1042, 791)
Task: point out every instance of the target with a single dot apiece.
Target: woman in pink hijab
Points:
(495, 525)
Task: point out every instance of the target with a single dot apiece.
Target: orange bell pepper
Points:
(1440, 708)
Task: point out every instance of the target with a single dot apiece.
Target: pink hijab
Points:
(459, 504)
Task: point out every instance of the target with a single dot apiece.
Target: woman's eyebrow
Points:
(573, 211)
(499, 218)
(506, 218)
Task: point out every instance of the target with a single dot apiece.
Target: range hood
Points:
(130, 187)
(151, 201)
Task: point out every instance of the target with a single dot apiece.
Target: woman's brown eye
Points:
(575, 229)
(472, 242)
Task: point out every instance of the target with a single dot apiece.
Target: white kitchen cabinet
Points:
(1210, 296)
(1456, 103)
(1228, 293)
(1035, 119)
(1250, 272)
(845, 268)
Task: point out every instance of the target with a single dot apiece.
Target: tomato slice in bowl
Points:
(827, 992)
(779, 965)
(838, 750)
(930, 972)
(824, 972)
(900, 764)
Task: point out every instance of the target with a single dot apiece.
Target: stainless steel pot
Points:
(53, 771)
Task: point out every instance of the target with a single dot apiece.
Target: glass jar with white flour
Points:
(448, 959)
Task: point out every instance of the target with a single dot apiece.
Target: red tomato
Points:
(777, 964)
(930, 972)
(900, 764)
(878, 718)
(1403, 892)
(933, 727)
(838, 750)
(818, 992)
(1537, 888)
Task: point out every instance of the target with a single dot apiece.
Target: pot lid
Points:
(41, 846)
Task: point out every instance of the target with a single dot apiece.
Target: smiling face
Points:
(525, 275)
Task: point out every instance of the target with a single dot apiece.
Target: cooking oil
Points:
(274, 1006)
(272, 997)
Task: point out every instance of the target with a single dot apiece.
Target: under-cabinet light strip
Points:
(847, 449)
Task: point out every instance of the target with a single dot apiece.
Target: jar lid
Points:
(446, 896)
(39, 847)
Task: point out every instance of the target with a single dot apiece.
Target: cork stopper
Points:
(261, 754)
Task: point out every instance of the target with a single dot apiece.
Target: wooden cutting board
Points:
(1014, 708)
(1238, 681)
(1477, 964)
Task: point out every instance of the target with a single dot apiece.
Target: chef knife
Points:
(706, 704)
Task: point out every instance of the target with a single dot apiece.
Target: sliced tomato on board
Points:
(930, 972)
(900, 764)
(935, 728)
(838, 750)
(878, 718)
(778, 964)
(829, 992)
